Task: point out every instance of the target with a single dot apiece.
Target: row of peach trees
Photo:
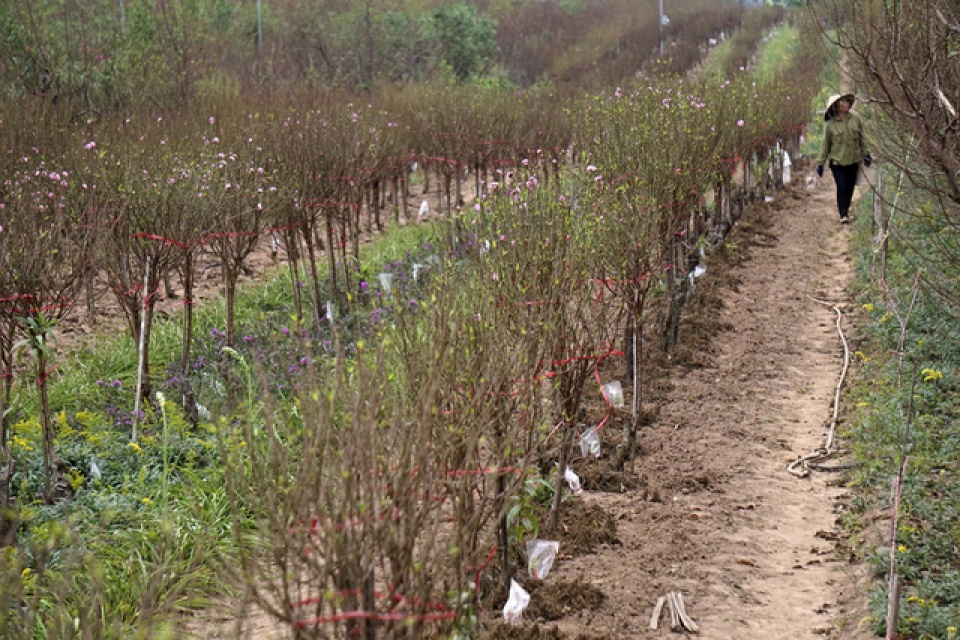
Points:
(125, 204)
(399, 501)
(394, 469)
(411, 502)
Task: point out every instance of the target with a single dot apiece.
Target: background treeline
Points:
(102, 54)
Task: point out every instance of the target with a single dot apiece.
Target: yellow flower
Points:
(21, 443)
(863, 404)
(903, 549)
(147, 501)
(135, 447)
(868, 307)
(75, 478)
(86, 418)
(931, 374)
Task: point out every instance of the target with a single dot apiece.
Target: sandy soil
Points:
(753, 549)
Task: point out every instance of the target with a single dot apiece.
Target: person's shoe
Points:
(844, 220)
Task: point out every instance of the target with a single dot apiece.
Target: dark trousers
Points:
(845, 175)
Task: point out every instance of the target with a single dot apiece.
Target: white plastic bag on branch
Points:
(386, 282)
(540, 557)
(786, 167)
(613, 392)
(424, 208)
(516, 603)
(590, 443)
(573, 481)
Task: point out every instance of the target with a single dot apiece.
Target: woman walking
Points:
(844, 147)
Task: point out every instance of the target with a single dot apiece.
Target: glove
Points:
(820, 170)
(867, 160)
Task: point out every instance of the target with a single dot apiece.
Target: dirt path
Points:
(750, 546)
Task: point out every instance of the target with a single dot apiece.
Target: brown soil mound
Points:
(561, 598)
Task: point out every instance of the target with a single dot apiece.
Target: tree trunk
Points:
(627, 450)
(315, 277)
(293, 264)
(566, 441)
(332, 259)
(8, 518)
(395, 194)
(56, 486)
(90, 294)
(447, 188)
(188, 400)
(376, 205)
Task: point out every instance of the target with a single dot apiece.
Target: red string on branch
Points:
(123, 294)
(477, 570)
(42, 380)
(161, 239)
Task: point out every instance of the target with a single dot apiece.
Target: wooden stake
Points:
(893, 608)
(675, 624)
(141, 349)
(657, 610)
(689, 624)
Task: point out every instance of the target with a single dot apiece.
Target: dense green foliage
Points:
(905, 423)
(906, 411)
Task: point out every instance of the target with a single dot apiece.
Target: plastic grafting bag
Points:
(540, 557)
(386, 282)
(516, 603)
(590, 443)
(573, 481)
(613, 392)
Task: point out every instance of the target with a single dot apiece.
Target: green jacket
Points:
(843, 141)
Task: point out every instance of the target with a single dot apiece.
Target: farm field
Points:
(475, 320)
(712, 510)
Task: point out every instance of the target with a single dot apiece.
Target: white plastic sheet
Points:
(516, 603)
